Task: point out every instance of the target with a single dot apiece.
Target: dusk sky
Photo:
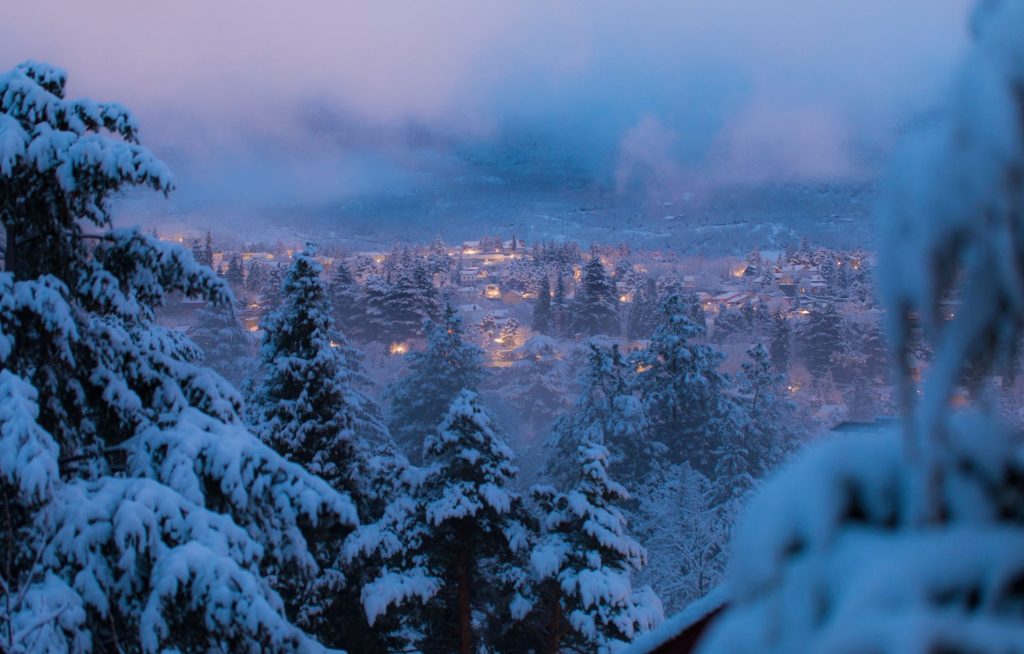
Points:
(303, 101)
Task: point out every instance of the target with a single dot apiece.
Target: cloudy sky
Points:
(303, 100)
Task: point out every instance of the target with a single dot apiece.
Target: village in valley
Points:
(814, 309)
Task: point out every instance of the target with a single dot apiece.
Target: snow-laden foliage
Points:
(588, 555)
(595, 309)
(452, 543)
(910, 539)
(309, 404)
(153, 566)
(830, 557)
(28, 454)
(535, 384)
(169, 526)
(684, 394)
(686, 528)
(447, 365)
(609, 407)
(226, 347)
(543, 319)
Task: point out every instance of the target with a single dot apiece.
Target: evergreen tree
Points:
(226, 347)
(403, 306)
(779, 342)
(643, 314)
(821, 338)
(198, 253)
(343, 295)
(208, 250)
(273, 290)
(609, 408)
(371, 310)
(585, 560)
(438, 261)
(560, 307)
(165, 525)
(768, 425)
(685, 396)
(595, 309)
(256, 277)
(449, 550)
(235, 274)
(728, 323)
(429, 299)
(308, 405)
(446, 366)
(536, 382)
(543, 317)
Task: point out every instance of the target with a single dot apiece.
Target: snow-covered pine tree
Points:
(420, 400)
(448, 550)
(438, 261)
(820, 338)
(308, 405)
(255, 277)
(779, 339)
(536, 382)
(272, 290)
(685, 530)
(430, 306)
(343, 293)
(226, 347)
(560, 307)
(148, 518)
(684, 395)
(760, 432)
(770, 425)
(235, 273)
(371, 310)
(585, 559)
(403, 305)
(197, 252)
(729, 323)
(207, 259)
(543, 318)
(478, 529)
(595, 309)
(643, 313)
(607, 406)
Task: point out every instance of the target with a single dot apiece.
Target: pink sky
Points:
(801, 77)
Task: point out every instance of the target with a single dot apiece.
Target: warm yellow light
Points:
(398, 349)
(804, 312)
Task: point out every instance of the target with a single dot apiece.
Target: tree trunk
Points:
(10, 251)
(555, 629)
(465, 631)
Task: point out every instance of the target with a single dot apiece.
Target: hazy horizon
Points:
(325, 108)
